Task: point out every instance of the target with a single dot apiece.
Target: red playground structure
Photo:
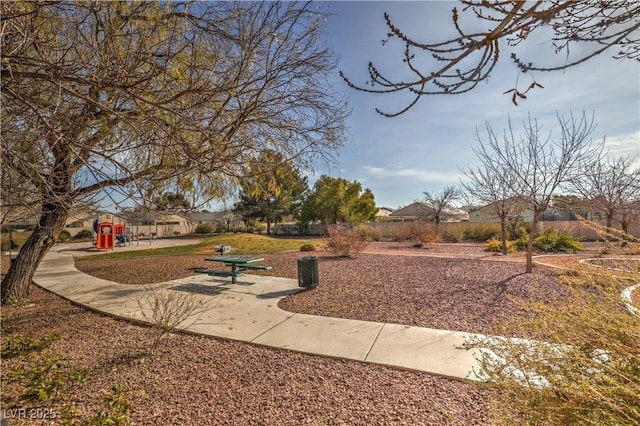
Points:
(107, 232)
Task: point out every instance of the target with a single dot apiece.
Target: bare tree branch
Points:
(469, 58)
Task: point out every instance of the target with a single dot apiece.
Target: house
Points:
(383, 213)
(220, 221)
(157, 223)
(487, 214)
(418, 211)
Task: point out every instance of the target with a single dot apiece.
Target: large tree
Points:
(273, 189)
(438, 206)
(336, 200)
(129, 96)
(534, 166)
(611, 187)
(485, 186)
(171, 201)
(457, 65)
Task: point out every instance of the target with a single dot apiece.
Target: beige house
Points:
(384, 213)
(487, 214)
(417, 211)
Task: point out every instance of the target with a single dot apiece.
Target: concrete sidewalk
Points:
(248, 312)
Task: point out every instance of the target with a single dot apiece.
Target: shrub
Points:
(418, 233)
(582, 369)
(117, 410)
(452, 232)
(64, 235)
(165, 310)
(45, 378)
(345, 242)
(494, 245)
(551, 241)
(21, 345)
(481, 231)
(203, 228)
(370, 232)
(85, 234)
(307, 247)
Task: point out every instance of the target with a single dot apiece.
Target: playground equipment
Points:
(107, 233)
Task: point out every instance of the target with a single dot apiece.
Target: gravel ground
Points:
(194, 380)
(199, 380)
(447, 293)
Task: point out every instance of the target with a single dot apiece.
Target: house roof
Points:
(412, 210)
(418, 209)
(205, 216)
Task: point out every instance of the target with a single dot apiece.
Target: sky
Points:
(424, 149)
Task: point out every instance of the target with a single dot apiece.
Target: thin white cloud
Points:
(624, 145)
(418, 175)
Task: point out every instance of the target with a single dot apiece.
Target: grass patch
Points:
(240, 244)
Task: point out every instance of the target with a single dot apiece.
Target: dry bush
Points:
(481, 231)
(166, 309)
(369, 232)
(453, 232)
(345, 242)
(418, 233)
(584, 366)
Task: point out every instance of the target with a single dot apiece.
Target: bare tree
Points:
(487, 186)
(612, 188)
(438, 206)
(136, 96)
(469, 58)
(534, 166)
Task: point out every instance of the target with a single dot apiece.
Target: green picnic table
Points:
(238, 265)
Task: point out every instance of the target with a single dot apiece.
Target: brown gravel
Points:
(447, 293)
(199, 380)
(196, 380)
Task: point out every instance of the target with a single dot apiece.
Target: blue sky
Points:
(423, 150)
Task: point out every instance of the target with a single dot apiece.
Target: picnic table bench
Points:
(238, 266)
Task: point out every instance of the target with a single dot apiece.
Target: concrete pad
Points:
(335, 337)
(435, 351)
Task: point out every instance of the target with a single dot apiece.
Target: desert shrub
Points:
(583, 368)
(369, 232)
(481, 231)
(552, 241)
(85, 234)
(418, 233)
(165, 310)
(118, 408)
(494, 245)
(21, 345)
(345, 242)
(44, 377)
(307, 247)
(203, 228)
(452, 232)
(64, 235)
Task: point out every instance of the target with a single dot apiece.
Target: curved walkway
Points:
(248, 312)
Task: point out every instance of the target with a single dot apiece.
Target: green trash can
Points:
(308, 271)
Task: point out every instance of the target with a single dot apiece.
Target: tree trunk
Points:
(503, 235)
(15, 285)
(609, 219)
(268, 227)
(532, 236)
(624, 223)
